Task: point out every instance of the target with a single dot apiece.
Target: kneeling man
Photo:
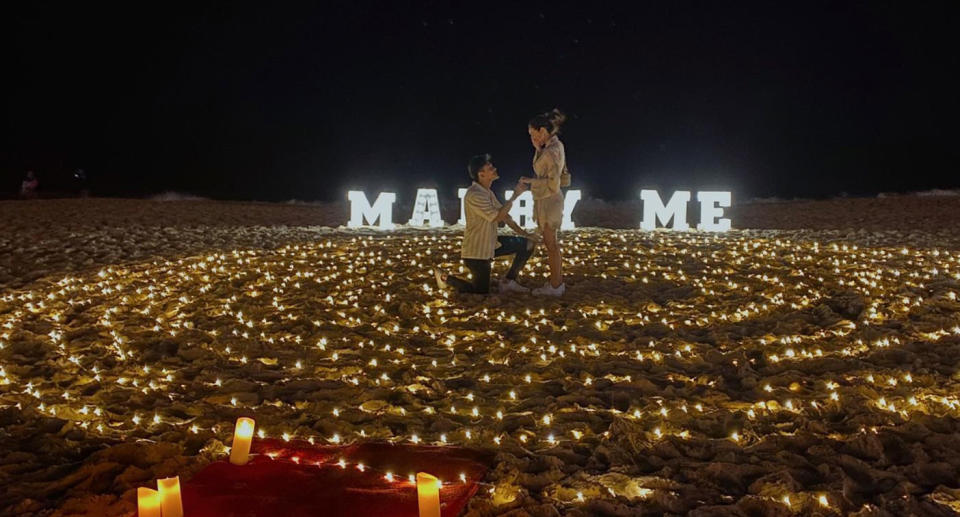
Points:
(480, 241)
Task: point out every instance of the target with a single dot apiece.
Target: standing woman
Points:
(549, 163)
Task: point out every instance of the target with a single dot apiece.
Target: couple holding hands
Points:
(484, 212)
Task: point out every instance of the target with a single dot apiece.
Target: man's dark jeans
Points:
(520, 247)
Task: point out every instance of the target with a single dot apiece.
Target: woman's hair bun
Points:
(551, 121)
(557, 117)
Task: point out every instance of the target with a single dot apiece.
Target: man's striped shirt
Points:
(480, 208)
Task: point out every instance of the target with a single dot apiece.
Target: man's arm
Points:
(481, 206)
(516, 227)
(486, 209)
(504, 213)
(521, 231)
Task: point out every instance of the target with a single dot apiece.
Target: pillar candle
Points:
(428, 495)
(148, 502)
(242, 436)
(170, 497)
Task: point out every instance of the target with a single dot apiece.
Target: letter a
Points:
(426, 209)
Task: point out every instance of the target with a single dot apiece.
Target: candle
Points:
(170, 497)
(148, 502)
(428, 495)
(242, 436)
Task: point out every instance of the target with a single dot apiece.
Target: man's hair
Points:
(477, 163)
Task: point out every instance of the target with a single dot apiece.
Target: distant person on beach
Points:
(480, 241)
(80, 183)
(550, 169)
(28, 188)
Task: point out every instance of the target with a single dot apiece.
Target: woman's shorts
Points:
(549, 210)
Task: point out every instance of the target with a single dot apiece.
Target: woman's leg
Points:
(550, 241)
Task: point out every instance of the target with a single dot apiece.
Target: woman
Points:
(549, 163)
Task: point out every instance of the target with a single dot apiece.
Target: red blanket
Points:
(296, 479)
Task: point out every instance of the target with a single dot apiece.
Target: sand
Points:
(804, 363)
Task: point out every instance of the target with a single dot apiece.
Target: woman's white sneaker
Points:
(549, 290)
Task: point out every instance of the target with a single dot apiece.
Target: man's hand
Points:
(522, 187)
(533, 236)
(525, 180)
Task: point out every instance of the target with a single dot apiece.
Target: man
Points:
(480, 241)
(28, 188)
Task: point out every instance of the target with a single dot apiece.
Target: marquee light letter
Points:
(522, 209)
(654, 209)
(710, 211)
(463, 214)
(569, 201)
(426, 209)
(360, 209)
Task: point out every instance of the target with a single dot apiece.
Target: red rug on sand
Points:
(296, 479)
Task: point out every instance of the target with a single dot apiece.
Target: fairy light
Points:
(507, 361)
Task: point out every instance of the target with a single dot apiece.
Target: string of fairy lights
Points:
(347, 340)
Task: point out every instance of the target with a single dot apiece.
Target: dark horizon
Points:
(287, 103)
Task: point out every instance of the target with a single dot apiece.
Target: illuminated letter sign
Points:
(522, 209)
(710, 211)
(569, 201)
(463, 215)
(360, 209)
(426, 209)
(654, 209)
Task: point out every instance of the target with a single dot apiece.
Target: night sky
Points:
(787, 99)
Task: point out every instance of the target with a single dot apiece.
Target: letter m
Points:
(654, 209)
(360, 209)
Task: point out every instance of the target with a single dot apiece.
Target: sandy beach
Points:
(39, 238)
(803, 363)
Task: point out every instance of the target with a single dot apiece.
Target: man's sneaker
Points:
(549, 290)
(440, 282)
(511, 286)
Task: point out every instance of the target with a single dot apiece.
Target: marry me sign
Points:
(426, 210)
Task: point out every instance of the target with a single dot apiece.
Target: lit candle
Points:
(428, 495)
(242, 436)
(170, 496)
(148, 502)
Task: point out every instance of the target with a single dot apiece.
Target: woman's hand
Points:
(526, 180)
